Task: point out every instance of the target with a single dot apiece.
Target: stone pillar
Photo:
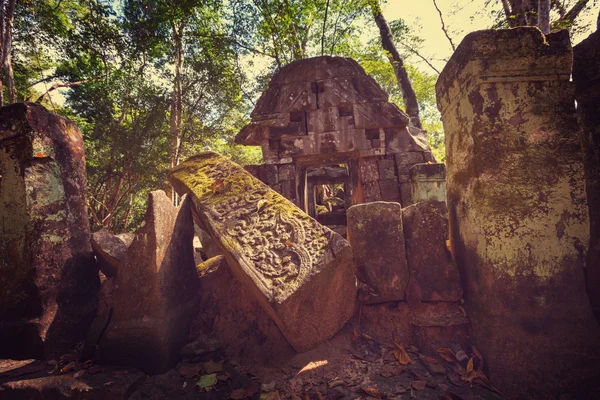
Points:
(428, 182)
(48, 277)
(586, 74)
(377, 240)
(155, 294)
(519, 222)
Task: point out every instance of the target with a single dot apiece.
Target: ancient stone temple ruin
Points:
(324, 126)
(338, 268)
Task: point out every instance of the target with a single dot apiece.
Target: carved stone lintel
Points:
(300, 271)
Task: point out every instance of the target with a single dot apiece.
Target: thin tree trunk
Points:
(544, 16)
(323, 32)
(7, 25)
(176, 101)
(518, 11)
(573, 13)
(2, 24)
(387, 42)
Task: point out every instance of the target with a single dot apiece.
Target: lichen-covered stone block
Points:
(376, 235)
(48, 276)
(155, 293)
(300, 271)
(428, 182)
(429, 260)
(517, 205)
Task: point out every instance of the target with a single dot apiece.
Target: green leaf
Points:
(207, 381)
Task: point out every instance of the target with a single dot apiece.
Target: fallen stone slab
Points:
(109, 250)
(429, 260)
(299, 271)
(156, 292)
(48, 275)
(376, 236)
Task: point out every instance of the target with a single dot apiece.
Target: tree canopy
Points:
(152, 82)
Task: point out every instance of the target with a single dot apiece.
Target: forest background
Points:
(150, 83)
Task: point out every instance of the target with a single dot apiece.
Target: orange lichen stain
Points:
(39, 154)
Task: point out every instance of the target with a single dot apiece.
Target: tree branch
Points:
(62, 85)
(444, 26)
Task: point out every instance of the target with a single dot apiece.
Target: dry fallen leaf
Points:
(470, 365)
(371, 391)
(210, 367)
(430, 360)
(355, 336)
(69, 367)
(78, 374)
(189, 371)
(108, 384)
(401, 354)
(447, 354)
(270, 396)
(463, 311)
(207, 381)
(336, 383)
(418, 385)
(217, 186)
(461, 355)
(238, 394)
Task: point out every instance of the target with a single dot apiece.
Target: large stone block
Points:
(300, 271)
(429, 261)
(109, 250)
(586, 75)
(48, 276)
(518, 213)
(376, 235)
(428, 182)
(155, 293)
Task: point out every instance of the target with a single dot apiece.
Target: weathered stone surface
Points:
(439, 324)
(586, 75)
(428, 182)
(429, 261)
(269, 174)
(369, 172)
(231, 314)
(108, 384)
(98, 326)
(300, 272)
(372, 192)
(155, 293)
(390, 190)
(387, 169)
(48, 275)
(516, 198)
(109, 250)
(376, 235)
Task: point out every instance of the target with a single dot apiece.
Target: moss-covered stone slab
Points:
(155, 294)
(300, 271)
(48, 276)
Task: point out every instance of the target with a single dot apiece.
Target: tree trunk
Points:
(518, 12)
(8, 10)
(387, 42)
(176, 101)
(544, 16)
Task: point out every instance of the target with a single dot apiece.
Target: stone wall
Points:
(586, 75)
(519, 225)
(48, 276)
